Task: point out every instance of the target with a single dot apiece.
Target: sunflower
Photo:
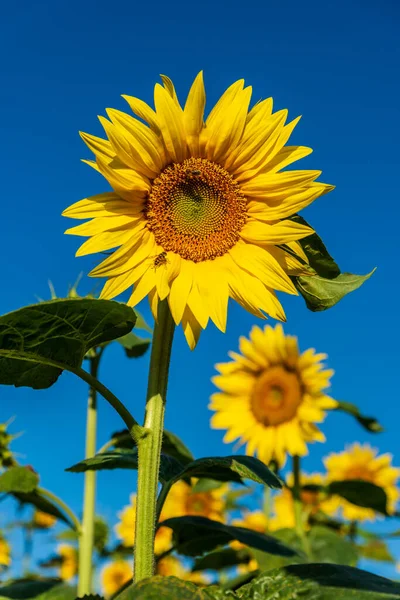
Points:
(125, 529)
(312, 502)
(199, 210)
(43, 520)
(114, 575)
(170, 566)
(184, 500)
(271, 395)
(5, 553)
(255, 520)
(69, 561)
(360, 461)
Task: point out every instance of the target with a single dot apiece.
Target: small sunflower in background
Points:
(272, 396)
(183, 500)
(43, 520)
(69, 561)
(171, 566)
(312, 502)
(200, 207)
(361, 461)
(114, 575)
(5, 553)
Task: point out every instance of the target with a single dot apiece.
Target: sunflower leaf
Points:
(38, 342)
(172, 588)
(319, 582)
(134, 345)
(376, 550)
(320, 293)
(318, 256)
(196, 535)
(222, 559)
(18, 479)
(36, 499)
(34, 589)
(369, 423)
(361, 493)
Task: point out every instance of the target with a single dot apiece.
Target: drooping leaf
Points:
(126, 459)
(376, 550)
(18, 479)
(206, 485)
(40, 502)
(222, 559)
(134, 345)
(232, 498)
(172, 445)
(319, 582)
(361, 493)
(369, 423)
(196, 535)
(319, 258)
(141, 323)
(171, 588)
(38, 342)
(24, 589)
(320, 293)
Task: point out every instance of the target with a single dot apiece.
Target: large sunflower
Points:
(199, 209)
(271, 395)
(360, 461)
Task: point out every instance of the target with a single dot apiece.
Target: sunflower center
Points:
(197, 504)
(276, 396)
(196, 209)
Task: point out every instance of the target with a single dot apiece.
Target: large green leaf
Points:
(376, 550)
(40, 502)
(38, 342)
(196, 535)
(319, 582)
(134, 345)
(361, 493)
(369, 423)
(319, 258)
(38, 589)
(172, 445)
(222, 559)
(18, 479)
(320, 293)
(171, 588)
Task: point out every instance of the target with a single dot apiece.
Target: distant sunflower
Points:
(170, 566)
(5, 553)
(199, 210)
(43, 520)
(255, 520)
(69, 561)
(312, 502)
(360, 461)
(184, 500)
(114, 575)
(271, 395)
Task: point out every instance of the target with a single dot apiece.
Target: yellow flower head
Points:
(114, 575)
(182, 500)
(69, 561)
(256, 520)
(5, 553)
(271, 395)
(199, 207)
(125, 529)
(360, 461)
(43, 520)
(312, 502)
(170, 566)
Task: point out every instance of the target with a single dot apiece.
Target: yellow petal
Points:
(171, 123)
(103, 241)
(198, 306)
(194, 112)
(98, 146)
(169, 86)
(227, 97)
(100, 224)
(102, 205)
(141, 247)
(280, 233)
(211, 278)
(123, 179)
(143, 287)
(191, 328)
(180, 289)
(262, 185)
(144, 111)
(265, 210)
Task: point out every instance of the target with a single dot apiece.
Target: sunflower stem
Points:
(85, 572)
(298, 508)
(149, 445)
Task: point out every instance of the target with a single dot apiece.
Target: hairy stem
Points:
(149, 446)
(298, 507)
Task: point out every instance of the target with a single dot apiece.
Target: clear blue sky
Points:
(336, 63)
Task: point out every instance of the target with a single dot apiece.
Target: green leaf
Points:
(141, 323)
(18, 479)
(90, 597)
(205, 485)
(134, 345)
(196, 535)
(126, 459)
(171, 588)
(172, 445)
(376, 550)
(319, 258)
(41, 503)
(361, 493)
(25, 589)
(222, 559)
(231, 468)
(319, 582)
(369, 423)
(38, 342)
(320, 293)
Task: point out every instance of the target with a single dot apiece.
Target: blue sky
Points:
(335, 63)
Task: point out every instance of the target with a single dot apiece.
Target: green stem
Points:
(63, 506)
(86, 539)
(28, 549)
(133, 426)
(149, 446)
(298, 507)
